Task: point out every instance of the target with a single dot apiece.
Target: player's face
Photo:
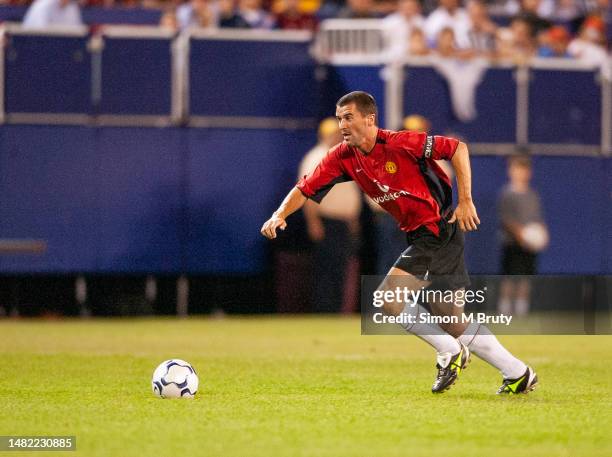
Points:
(353, 124)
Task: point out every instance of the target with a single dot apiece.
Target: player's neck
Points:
(368, 142)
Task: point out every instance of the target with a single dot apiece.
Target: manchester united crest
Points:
(390, 167)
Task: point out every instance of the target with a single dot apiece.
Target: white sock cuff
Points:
(411, 308)
(470, 333)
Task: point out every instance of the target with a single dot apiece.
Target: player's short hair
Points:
(520, 160)
(364, 102)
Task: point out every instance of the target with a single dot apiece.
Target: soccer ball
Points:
(535, 237)
(175, 378)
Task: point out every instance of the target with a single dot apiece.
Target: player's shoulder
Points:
(340, 151)
(403, 137)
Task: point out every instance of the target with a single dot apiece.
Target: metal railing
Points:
(339, 42)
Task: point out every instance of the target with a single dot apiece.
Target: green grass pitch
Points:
(289, 386)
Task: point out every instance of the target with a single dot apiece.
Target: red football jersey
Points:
(389, 174)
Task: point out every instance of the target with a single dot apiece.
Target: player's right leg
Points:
(452, 356)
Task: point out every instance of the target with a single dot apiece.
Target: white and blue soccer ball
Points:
(175, 378)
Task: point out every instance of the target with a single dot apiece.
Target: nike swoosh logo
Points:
(359, 170)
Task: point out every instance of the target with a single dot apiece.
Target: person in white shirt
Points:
(449, 14)
(399, 27)
(52, 13)
(588, 46)
(482, 29)
(198, 13)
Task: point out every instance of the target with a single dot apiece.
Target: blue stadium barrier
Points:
(564, 107)
(136, 74)
(576, 208)
(140, 200)
(94, 15)
(49, 190)
(236, 178)
(341, 79)
(48, 74)
(140, 212)
(172, 200)
(426, 93)
(255, 79)
(133, 200)
(245, 76)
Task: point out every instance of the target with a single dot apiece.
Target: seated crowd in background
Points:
(449, 28)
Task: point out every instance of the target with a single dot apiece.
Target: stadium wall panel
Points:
(575, 194)
(251, 79)
(135, 200)
(426, 93)
(47, 74)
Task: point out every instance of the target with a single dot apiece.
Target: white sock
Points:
(504, 306)
(485, 345)
(444, 343)
(521, 307)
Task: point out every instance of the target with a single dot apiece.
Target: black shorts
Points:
(437, 259)
(517, 261)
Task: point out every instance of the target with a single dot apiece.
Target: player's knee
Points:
(393, 308)
(390, 303)
(454, 329)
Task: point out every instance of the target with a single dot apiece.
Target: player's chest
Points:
(387, 169)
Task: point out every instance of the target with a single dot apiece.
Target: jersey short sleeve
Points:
(328, 173)
(435, 147)
(444, 147)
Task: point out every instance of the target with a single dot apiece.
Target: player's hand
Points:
(466, 217)
(269, 228)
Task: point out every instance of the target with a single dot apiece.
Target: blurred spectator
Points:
(603, 10)
(462, 73)
(417, 43)
(254, 15)
(333, 226)
(517, 43)
(329, 9)
(382, 8)
(534, 13)
(555, 41)
(504, 43)
(538, 8)
(399, 27)
(198, 13)
(229, 17)
(292, 18)
(589, 45)
(358, 9)
(52, 13)
(566, 11)
(446, 46)
(169, 21)
(482, 29)
(523, 235)
(449, 14)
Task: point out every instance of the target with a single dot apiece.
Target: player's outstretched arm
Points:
(465, 213)
(292, 202)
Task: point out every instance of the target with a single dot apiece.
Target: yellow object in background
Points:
(328, 126)
(305, 6)
(416, 123)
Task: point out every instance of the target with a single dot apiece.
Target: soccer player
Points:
(398, 171)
